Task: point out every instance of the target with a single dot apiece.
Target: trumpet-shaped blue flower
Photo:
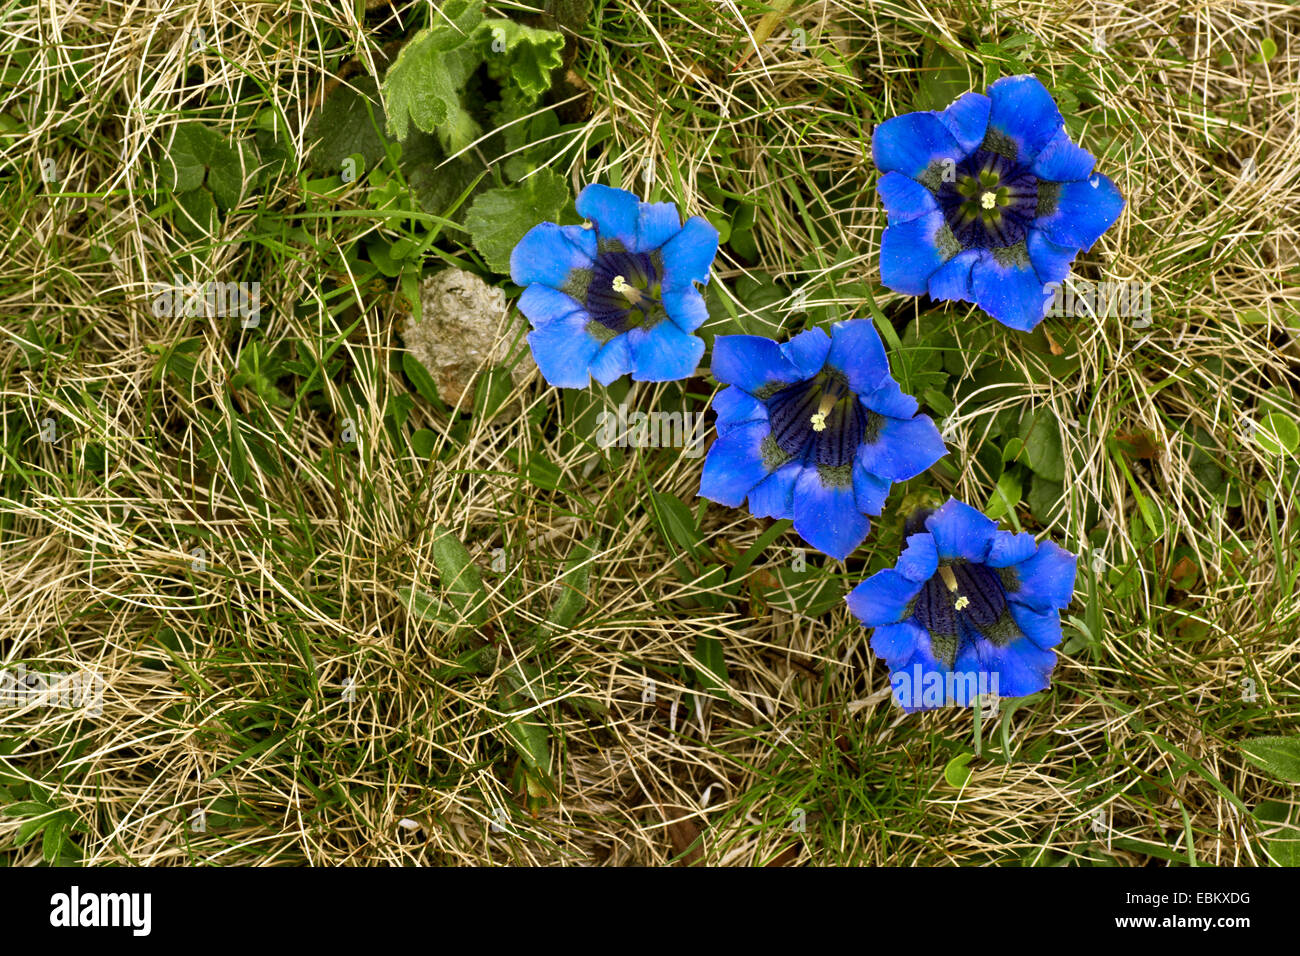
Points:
(988, 201)
(815, 430)
(618, 296)
(966, 609)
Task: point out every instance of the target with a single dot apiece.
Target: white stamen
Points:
(989, 200)
(961, 603)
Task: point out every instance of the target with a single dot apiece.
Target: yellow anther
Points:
(949, 578)
(631, 293)
(961, 602)
(819, 417)
(989, 200)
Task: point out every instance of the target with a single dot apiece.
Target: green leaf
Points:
(1045, 499)
(425, 607)
(1278, 433)
(957, 770)
(422, 89)
(350, 122)
(423, 442)
(420, 377)
(1041, 434)
(677, 522)
(460, 579)
(498, 218)
(713, 670)
(574, 586)
(491, 391)
(199, 156)
(942, 79)
(1005, 496)
(1280, 756)
(525, 54)
(533, 742)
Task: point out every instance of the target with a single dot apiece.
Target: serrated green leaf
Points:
(524, 54)
(350, 122)
(422, 89)
(498, 218)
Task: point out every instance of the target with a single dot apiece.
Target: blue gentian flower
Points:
(988, 201)
(618, 296)
(815, 430)
(968, 609)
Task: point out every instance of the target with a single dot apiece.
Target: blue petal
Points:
(910, 253)
(869, 491)
(1051, 262)
(856, 351)
(1022, 668)
(1009, 549)
(615, 213)
(664, 353)
(889, 399)
(686, 308)
(904, 198)
(882, 598)
(920, 559)
(657, 222)
(563, 349)
(1061, 161)
(549, 254)
(893, 642)
(1084, 210)
(613, 361)
(751, 362)
(1046, 579)
(951, 281)
(1012, 294)
(807, 351)
(544, 305)
(1024, 112)
(1041, 627)
(734, 406)
(734, 465)
(967, 118)
(689, 254)
(960, 531)
(827, 517)
(911, 143)
(773, 497)
(903, 448)
(910, 679)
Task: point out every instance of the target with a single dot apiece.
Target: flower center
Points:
(625, 290)
(990, 202)
(962, 604)
(820, 421)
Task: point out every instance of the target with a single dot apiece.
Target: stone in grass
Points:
(464, 331)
